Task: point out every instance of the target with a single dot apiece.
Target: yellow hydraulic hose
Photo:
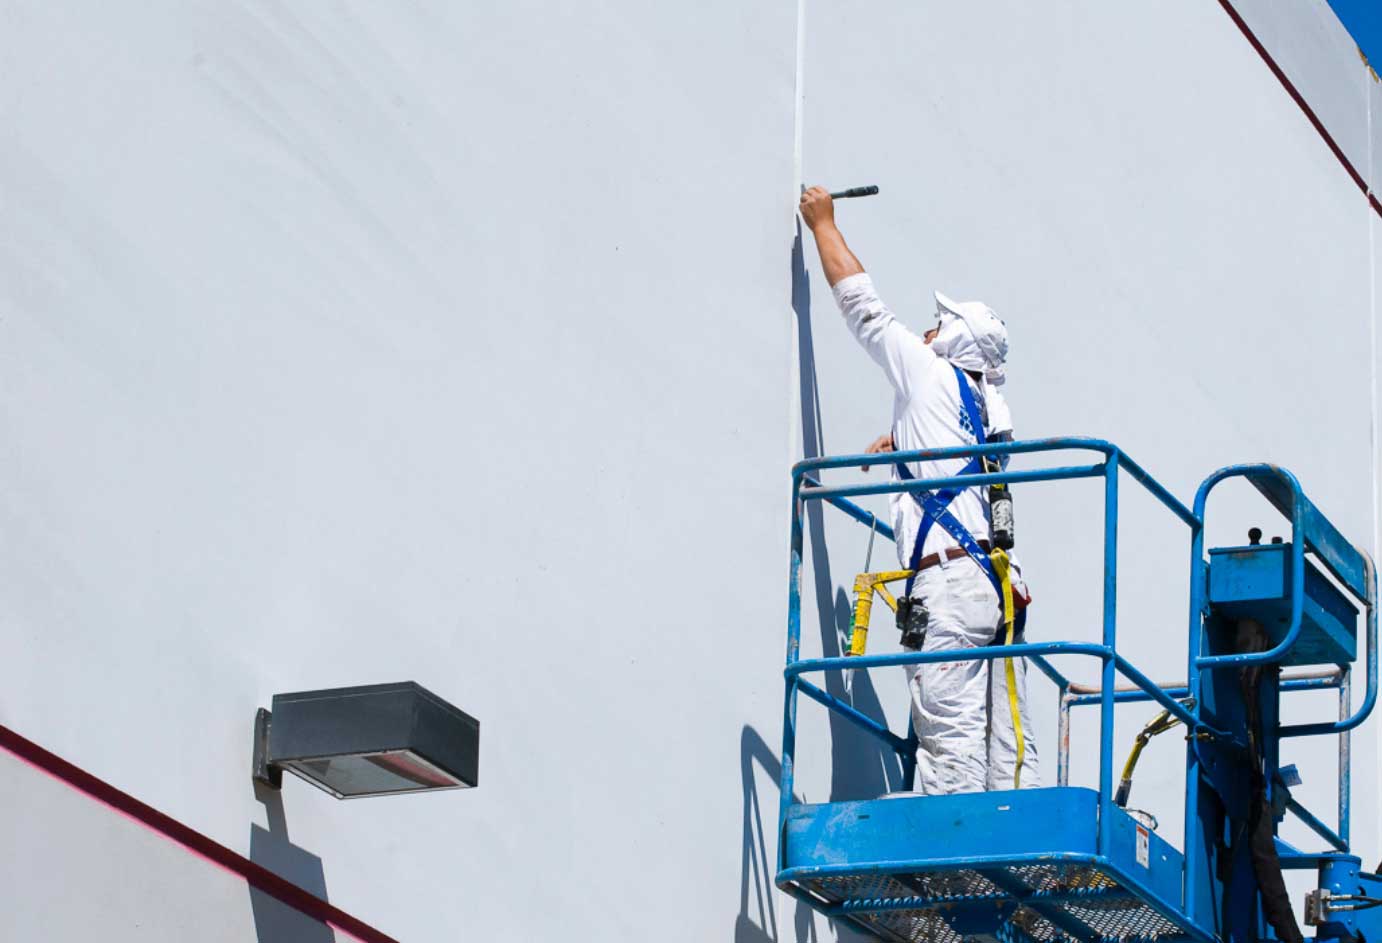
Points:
(1159, 724)
(1133, 757)
(1002, 567)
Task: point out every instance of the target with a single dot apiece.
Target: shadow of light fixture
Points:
(374, 740)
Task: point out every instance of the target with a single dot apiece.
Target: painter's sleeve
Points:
(902, 354)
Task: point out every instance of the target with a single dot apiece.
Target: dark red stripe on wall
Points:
(257, 876)
(1299, 99)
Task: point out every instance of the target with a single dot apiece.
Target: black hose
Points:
(1276, 902)
(1261, 824)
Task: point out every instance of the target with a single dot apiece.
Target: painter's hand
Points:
(817, 208)
(884, 443)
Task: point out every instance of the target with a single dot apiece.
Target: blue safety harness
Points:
(935, 505)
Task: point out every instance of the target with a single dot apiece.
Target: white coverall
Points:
(960, 709)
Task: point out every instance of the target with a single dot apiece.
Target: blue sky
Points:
(1364, 20)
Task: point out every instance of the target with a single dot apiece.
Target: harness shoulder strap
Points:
(935, 506)
(972, 411)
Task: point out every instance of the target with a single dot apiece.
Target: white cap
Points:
(986, 346)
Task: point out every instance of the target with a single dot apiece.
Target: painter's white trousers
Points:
(960, 709)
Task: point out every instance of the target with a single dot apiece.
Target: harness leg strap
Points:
(1002, 566)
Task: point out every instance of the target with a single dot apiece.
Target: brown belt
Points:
(952, 553)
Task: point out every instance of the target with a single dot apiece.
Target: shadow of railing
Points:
(757, 920)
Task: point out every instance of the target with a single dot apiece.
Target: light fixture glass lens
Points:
(372, 774)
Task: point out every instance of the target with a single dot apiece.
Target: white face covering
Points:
(972, 338)
(955, 343)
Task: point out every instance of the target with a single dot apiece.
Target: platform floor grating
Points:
(1011, 904)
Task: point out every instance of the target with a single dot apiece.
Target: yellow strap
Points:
(863, 610)
(888, 576)
(865, 584)
(1002, 568)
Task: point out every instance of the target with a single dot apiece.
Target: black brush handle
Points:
(853, 192)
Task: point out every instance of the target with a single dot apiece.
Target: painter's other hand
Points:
(884, 443)
(817, 208)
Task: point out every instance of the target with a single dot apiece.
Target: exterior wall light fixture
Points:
(375, 740)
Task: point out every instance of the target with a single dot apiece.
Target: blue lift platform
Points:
(1066, 863)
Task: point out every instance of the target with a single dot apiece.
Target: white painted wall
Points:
(80, 872)
(356, 343)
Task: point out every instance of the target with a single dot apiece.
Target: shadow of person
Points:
(275, 921)
(860, 766)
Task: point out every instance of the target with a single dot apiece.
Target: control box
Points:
(1254, 582)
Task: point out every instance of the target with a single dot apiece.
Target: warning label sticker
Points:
(1143, 847)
